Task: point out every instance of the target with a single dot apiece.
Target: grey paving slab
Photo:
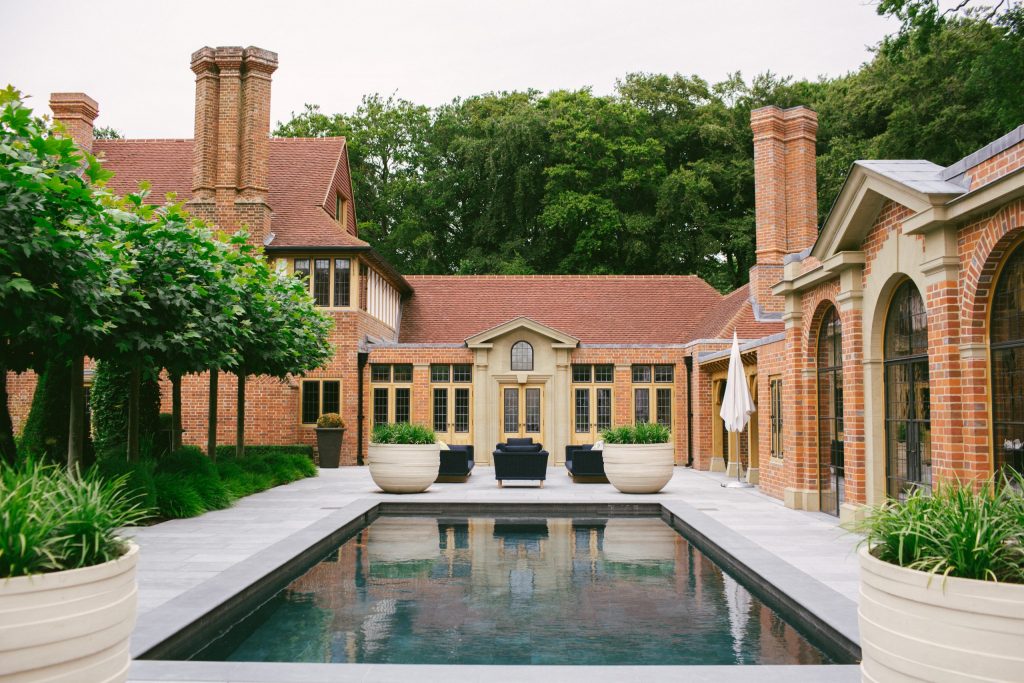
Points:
(212, 556)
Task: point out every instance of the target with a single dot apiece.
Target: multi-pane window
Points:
(1007, 340)
(908, 433)
(329, 280)
(831, 468)
(522, 356)
(319, 396)
(775, 401)
(659, 396)
(592, 403)
(392, 393)
(450, 401)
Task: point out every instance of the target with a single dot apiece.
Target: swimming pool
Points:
(551, 588)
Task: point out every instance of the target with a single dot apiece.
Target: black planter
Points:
(328, 445)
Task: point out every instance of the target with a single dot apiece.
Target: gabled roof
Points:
(914, 183)
(596, 309)
(485, 338)
(301, 174)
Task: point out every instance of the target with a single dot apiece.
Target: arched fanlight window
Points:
(522, 356)
(908, 440)
(1007, 348)
(831, 479)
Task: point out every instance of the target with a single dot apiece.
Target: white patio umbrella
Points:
(737, 405)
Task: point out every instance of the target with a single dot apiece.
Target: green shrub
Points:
(139, 476)
(212, 490)
(641, 432)
(403, 433)
(50, 521)
(45, 436)
(109, 404)
(176, 497)
(958, 530)
(187, 460)
(298, 449)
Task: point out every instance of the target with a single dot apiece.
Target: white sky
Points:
(132, 56)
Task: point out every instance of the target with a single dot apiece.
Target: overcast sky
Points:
(133, 56)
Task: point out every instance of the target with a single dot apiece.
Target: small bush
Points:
(138, 476)
(330, 421)
(187, 460)
(403, 433)
(959, 530)
(297, 449)
(176, 497)
(642, 432)
(50, 521)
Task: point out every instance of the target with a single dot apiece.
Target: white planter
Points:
(404, 468)
(71, 626)
(639, 468)
(915, 626)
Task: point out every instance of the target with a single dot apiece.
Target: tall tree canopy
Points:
(658, 177)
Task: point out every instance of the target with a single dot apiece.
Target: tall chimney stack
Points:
(231, 158)
(78, 112)
(785, 193)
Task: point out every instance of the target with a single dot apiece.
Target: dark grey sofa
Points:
(584, 463)
(520, 460)
(456, 463)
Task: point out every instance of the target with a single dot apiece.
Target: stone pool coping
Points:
(798, 592)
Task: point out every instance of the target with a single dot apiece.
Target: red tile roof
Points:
(609, 309)
(735, 313)
(302, 171)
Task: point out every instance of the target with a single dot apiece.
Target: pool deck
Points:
(184, 564)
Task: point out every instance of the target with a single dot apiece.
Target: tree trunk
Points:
(8, 451)
(175, 411)
(211, 420)
(240, 415)
(76, 418)
(134, 387)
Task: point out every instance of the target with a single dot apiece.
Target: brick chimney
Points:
(785, 193)
(231, 157)
(78, 112)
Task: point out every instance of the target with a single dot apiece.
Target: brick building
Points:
(884, 350)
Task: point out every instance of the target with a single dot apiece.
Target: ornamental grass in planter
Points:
(403, 458)
(67, 580)
(330, 431)
(638, 458)
(942, 585)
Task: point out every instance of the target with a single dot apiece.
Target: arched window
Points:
(830, 413)
(908, 439)
(522, 356)
(1007, 343)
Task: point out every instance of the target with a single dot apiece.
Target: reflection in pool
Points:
(493, 590)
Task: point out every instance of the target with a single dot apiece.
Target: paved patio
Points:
(196, 554)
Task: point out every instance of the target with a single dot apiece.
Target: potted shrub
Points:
(942, 586)
(638, 458)
(330, 430)
(404, 458)
(67, 580)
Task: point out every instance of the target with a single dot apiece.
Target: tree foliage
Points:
(658, 177)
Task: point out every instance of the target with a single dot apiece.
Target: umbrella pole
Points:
(734, 448)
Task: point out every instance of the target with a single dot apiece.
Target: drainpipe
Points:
(361, 365)
(688, 361)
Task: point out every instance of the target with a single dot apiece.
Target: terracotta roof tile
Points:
(302, 171)
(610, 309)
(735, 313)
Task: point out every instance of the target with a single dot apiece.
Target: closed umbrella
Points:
(737, 405)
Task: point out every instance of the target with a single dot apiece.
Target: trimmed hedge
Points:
(186, 483)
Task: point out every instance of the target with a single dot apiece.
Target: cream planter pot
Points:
(639, 468)
(404, 468)
(71, 626)
(915, 626)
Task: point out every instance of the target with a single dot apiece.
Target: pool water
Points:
(493, 590)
